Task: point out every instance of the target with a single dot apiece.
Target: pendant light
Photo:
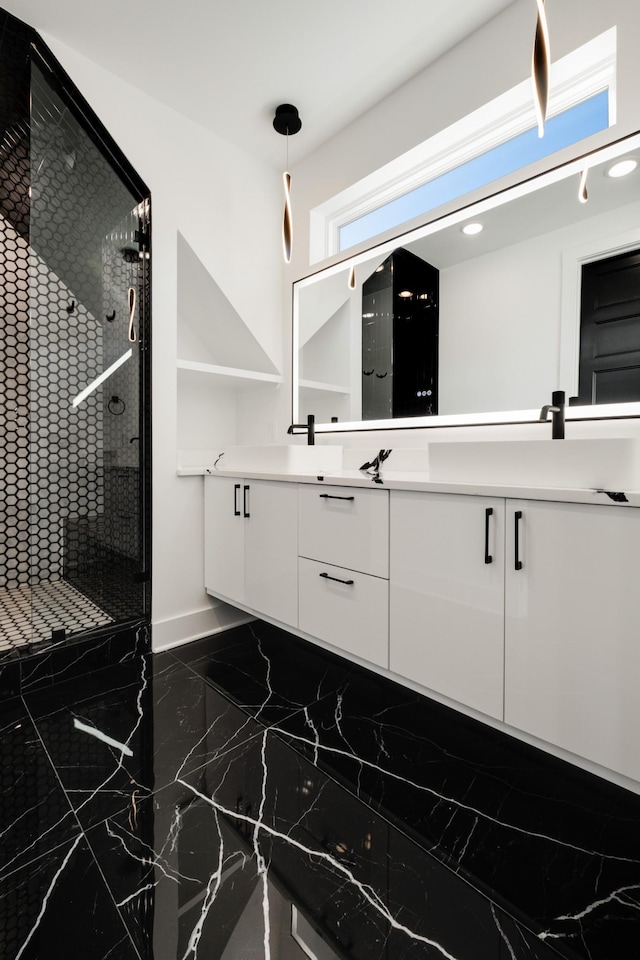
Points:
(352, 278)
(287, 122)
(540, 67)
(583, 195)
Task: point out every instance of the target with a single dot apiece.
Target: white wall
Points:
(227, 207)
(501, 315)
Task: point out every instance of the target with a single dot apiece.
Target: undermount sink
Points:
(608, 463)
(284, 458)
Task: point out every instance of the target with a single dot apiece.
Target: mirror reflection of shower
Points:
(400, 338)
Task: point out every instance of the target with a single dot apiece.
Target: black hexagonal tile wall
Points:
(71, 469)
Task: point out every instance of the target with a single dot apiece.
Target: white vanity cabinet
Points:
(572, 628)
(251, 545)
(525, 610)
(545, 636)
(447, 595)
(344, 568)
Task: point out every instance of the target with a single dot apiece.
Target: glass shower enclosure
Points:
(74, 362)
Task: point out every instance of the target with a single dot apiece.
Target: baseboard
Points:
(199, 623)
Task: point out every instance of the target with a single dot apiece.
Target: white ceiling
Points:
(228, 63)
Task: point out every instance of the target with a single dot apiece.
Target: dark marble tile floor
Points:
(251, 797)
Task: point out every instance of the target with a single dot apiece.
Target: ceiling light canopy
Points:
(287, 120)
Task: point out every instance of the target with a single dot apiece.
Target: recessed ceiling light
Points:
(622, 168)
(470, 229)
(405, 293)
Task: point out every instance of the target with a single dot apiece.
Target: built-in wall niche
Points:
(219, 359)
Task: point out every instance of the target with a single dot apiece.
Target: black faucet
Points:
(556, 407)
(309, 428)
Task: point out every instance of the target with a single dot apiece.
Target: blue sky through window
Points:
(566, 128)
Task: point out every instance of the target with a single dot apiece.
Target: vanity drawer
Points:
(346, 526)
(353, 616)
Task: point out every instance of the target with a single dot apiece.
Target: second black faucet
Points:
(556, 408)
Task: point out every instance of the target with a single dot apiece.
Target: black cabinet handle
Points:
(244, 501)
(337, 579)
(330, 496)
(487, 514)
(236, 490)
(518, 561)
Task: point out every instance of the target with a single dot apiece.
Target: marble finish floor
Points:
(249, 796)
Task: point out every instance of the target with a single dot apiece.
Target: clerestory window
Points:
(497, 140)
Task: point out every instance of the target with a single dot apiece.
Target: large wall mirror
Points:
(482, 327)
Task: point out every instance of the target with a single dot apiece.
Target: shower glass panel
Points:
(15, 596)
(88, 296)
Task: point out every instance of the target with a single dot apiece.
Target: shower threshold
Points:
(29, 614)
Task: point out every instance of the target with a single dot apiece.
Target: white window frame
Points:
(581, 74)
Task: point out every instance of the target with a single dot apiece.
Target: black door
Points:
(610, 330)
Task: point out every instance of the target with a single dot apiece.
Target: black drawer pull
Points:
(337, 579)
(236, 490)
(518, 561)
(244, 501)
(331, 496)
(487, 514)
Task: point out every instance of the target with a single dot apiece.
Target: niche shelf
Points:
(228, 376)
(219, 360)
(323, 387)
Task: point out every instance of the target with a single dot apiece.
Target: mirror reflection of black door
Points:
(400, 339)
(610, 330)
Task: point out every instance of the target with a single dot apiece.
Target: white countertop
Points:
(414, 480)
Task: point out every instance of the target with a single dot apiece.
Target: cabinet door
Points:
(447, 595)
(271, 550)
(572, 658)
(224, 537)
